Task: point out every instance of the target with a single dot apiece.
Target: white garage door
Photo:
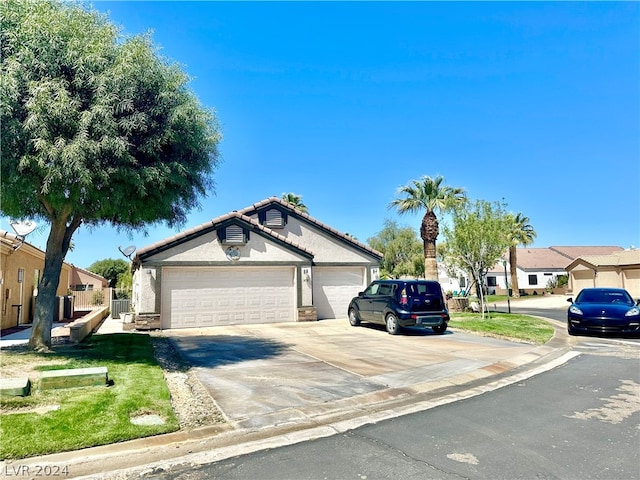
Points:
(202, 297)
(333, 289)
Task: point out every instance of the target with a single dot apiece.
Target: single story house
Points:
(21, 266)
(83, 280)
(269, 262)
(620, 269)
(539, 268)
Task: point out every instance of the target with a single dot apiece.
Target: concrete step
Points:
(74, 377)
(15, 387)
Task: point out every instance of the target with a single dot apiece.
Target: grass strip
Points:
(70, 419)
(511, 326)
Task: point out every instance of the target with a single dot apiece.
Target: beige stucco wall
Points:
(82, 277)
(325, 249)
(207, 250)
(631, 281)
(628, 277)
(13, 292)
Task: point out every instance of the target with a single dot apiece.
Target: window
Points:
(462, 281)
(533, 279)
(234, 234)
(491, 282)
(84, 287)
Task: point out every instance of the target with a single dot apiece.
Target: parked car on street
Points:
(401, 303)
(603, 311)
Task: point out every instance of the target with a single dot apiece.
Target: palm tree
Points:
(521, 233)
(295, 201)
(429, 194)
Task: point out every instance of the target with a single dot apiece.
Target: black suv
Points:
(401, 303)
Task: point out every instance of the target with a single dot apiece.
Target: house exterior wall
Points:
(17, 299)
(543, 277)
(586, 276)
(631, 281)
(207, 250)
(326, 250)
(82, 277)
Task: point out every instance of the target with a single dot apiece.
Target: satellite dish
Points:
(128, 251)
(23, 227)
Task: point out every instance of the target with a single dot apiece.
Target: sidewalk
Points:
(324, 382)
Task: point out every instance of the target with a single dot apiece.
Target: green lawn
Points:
(511, 326)
(69, 419)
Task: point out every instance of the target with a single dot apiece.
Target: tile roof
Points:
(540, 258)
(580, 251)
(617, 259)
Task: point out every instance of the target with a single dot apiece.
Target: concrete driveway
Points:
(275, 374)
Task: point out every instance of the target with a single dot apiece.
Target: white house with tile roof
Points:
(269, 262)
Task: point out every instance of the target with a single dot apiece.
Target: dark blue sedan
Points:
(603, 311)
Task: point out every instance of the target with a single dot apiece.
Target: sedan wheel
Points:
(354, 319)
(392, 324)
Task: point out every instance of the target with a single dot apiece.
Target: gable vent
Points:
(274, 218)
(234, 234)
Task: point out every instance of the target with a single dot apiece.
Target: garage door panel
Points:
(209, 296)
(333, 289)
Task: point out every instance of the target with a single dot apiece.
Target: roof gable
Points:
(215, 224)
(281, 205)
(624, 258)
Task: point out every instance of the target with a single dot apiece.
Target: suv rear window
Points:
(422, 289)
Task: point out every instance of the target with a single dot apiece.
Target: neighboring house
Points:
(540, 267)
(453, 285)
(84, 280)
(21, 266)
(620, 269)
(266, 263)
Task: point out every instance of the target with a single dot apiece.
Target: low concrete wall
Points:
(82, 328)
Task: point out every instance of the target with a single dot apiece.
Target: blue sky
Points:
(536, 104)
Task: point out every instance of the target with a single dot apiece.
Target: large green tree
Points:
(429, 195)
(96, 128)
(401, 249)
(476, 240)
(111, 269)
(520, 233)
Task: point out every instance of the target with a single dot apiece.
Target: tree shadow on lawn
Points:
(217, 350)
(124, 348)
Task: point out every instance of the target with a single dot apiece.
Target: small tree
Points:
(402, 251)
(476, 241)
(95, 129)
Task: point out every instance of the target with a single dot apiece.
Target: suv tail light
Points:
(403, 297)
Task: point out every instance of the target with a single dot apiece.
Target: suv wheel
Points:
(440, 329)
(392, 324)
(354, 319)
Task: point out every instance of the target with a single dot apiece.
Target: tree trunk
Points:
(57, 247)
(429, 230)
(513, 267)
